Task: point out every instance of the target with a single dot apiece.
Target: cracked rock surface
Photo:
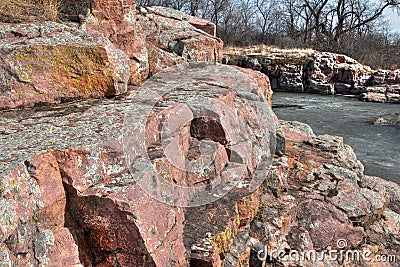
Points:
(67, 197)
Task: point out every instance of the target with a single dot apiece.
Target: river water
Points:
(376, 146)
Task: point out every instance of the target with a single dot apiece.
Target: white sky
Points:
(394, 20)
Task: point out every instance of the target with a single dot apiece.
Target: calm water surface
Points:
(376, 146)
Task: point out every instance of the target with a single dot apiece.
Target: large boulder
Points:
(174, 37)
(262, 82)
(114, 19)
(72, 193)
(48, 62)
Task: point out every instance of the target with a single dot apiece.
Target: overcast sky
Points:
(394, 20)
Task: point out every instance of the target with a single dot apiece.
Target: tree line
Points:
(353, 27)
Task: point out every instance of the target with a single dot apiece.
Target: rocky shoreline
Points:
(71, 190)
(312, 71)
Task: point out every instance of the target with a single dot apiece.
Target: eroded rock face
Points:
(114, 21)
(67, 197)
(382, 86)
(324, 73)
(174, 37)
(51, 63)
(262, 82)
(311, 72)
(331, 73)
(48, 62)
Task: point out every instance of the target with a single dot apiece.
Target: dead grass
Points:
(266, 50)
(14, 11)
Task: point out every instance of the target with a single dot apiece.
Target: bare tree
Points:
(345, 26)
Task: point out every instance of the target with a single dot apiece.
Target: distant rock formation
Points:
(382, 86)
(389, 119)
(324, 73)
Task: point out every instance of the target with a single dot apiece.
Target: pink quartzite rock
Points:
(67, 198)
(330, 68)
(115, 21)
(262, 82)
(47, 62)
(324, 73)
(203, 25)
(50, 63)
(174, 37)
(309, 71)
(382, 86)
(317, 195)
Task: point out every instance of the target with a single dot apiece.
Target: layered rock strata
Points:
(324, 73)
(318, 200)
(382, 86)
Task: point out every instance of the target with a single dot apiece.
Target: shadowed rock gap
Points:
(104, 234)
(202, 128)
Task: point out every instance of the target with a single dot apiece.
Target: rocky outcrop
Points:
(75, 191)
(48, 62)
(262, 82)
(114, 20)
(325, 73)
(334, 74)
(317, 199)
(382, 86)
(108, 45)
(67, 197)
(174, 37)
(309, 71)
